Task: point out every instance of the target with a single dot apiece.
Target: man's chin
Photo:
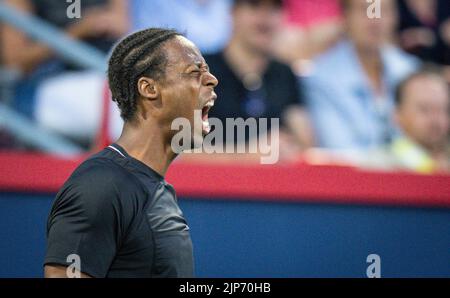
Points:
(197, 140)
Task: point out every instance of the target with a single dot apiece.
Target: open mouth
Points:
(205, 122)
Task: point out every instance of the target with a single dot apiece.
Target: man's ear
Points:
(148, 88)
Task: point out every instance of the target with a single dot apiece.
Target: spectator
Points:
(350, 92)
(425, 29)
(45, 92)
(423, 107)
(310, 27)
(311, 12)
(205, 22)
(102, 22)
(251, 82)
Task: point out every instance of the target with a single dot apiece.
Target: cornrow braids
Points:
(136, 55)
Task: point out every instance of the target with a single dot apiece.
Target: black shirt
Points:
(278, 89)
(439, 52)
(121, 218)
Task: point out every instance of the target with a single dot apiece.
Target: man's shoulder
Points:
(99, 187)
(339, 58)
(398, 63)
(101, 168)
(103, 174)
(280, 69)
(336, 70)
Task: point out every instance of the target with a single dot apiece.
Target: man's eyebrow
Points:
(200, 64)
(203, 64)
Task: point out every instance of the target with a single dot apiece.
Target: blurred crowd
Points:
(348, 88)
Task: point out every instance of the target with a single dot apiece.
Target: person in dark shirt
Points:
(425, 29)
(116, 216)
(254, 84)
(276, 90)
(101, 24)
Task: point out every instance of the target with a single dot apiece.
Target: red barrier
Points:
(327, 184)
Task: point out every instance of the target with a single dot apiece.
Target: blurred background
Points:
(363, 104)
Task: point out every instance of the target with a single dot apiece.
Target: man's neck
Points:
(372, 65)
(243, 60)
(437, 150)
(148, 145)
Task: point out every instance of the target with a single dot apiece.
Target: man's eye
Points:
(196, 72)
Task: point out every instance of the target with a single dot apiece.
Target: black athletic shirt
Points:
(121, 218)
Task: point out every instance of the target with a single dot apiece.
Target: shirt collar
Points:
(136, 163)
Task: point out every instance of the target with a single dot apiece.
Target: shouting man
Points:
(116, 216)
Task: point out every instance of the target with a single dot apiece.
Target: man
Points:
(350, 92)
(423, 106)
(253, 83)
(116, 213)
(425, 29)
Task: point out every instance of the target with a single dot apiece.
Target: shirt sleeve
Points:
(84, 221)
(332, 129)
(297, 92)
(291, 95)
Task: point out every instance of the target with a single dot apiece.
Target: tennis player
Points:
(116, 216)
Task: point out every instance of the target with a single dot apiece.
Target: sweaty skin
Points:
(187, 86)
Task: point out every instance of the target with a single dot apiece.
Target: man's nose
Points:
(211, 80)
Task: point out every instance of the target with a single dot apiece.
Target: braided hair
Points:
(136, 55)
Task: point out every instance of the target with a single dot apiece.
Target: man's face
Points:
(370, 33)
(188, 86)
(424, 112)
(256, 24)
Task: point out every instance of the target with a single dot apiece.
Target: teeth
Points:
(210, 104)
(206, 126)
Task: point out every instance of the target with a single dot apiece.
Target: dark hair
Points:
(344, 5)
(134, 56)
(277, 3)
(428, 70)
